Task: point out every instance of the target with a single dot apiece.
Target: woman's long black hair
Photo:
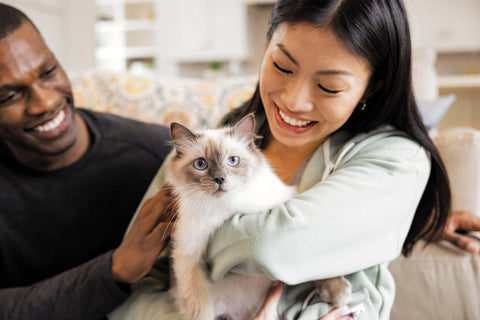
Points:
(378, 31)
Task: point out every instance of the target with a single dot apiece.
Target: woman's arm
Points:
(358, 217)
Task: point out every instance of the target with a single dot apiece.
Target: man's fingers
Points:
(154, 210)
(467, 221)
(162, 231)
(463, 242)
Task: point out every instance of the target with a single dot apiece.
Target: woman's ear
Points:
(372, 88)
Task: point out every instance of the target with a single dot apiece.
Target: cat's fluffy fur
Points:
(216, 173)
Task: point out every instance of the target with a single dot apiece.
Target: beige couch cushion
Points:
(440, 281)
(192, 102)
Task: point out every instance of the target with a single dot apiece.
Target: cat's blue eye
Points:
(233, 161)
(200, 164)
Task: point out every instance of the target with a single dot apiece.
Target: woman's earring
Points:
(364, 105)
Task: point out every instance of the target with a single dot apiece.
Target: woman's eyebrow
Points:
(332, 72)
(285, 51)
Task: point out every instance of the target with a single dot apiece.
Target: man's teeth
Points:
(50, 125)
(293, 122)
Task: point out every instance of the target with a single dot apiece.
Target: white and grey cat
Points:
(216, 173)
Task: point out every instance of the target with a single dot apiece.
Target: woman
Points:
(336, 110)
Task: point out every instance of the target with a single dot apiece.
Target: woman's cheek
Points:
(337, 110)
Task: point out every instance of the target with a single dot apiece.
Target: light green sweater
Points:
(352, 223)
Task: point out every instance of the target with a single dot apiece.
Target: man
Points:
(70, 181)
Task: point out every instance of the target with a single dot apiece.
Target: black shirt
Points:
(51, 222)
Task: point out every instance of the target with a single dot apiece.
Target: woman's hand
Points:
(146, 238)
(462, 221)
(269, 308)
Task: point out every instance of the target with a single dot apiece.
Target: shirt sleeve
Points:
(85, 292)
(356, 218)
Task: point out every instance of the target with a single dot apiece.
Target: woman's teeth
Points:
(52, 124)
(293, 122)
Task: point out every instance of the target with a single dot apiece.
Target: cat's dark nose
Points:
(219, 180)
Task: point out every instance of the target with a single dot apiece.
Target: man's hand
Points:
(146, 238)
(462, 221)
(269, 308)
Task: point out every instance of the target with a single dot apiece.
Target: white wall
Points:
(446, 25)
(67, 26)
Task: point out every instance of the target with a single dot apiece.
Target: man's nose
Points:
(298, 96)
(42, 99)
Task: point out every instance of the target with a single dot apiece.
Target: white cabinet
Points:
(180, 37)
(451, 28)
(199, 32)
(125, 35)
(169, 36)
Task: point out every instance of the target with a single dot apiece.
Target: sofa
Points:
(435, 282)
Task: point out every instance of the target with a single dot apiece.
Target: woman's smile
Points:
(291, 122)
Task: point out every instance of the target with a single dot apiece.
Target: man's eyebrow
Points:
(285, 51)
(8, 87)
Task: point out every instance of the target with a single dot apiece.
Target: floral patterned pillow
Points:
(192, 102)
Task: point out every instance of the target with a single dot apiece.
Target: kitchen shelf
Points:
(125, 32)
(459, 81)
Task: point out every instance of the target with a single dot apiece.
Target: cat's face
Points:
(214, 161)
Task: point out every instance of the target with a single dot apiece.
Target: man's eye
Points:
(7, 99)
(49, 71)
(281, 69)
(328, 90)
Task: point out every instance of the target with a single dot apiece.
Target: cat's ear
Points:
(245, 128)
(182, 136)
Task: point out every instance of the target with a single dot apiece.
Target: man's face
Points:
(37, 117)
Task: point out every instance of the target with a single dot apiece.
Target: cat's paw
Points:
(337, 291)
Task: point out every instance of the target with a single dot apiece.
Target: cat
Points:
(216, 173)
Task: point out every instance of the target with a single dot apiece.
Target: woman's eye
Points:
(328, 90)
(233, 161)
(49, 71)
(281, 69)
(200, 164)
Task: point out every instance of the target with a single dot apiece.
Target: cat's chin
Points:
(219, 193)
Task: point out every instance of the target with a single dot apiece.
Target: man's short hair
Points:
(11, 19)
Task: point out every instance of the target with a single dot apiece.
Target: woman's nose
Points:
(298, 97)
(42, 99)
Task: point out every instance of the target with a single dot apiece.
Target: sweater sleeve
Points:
(356, 218)
(85, 292)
